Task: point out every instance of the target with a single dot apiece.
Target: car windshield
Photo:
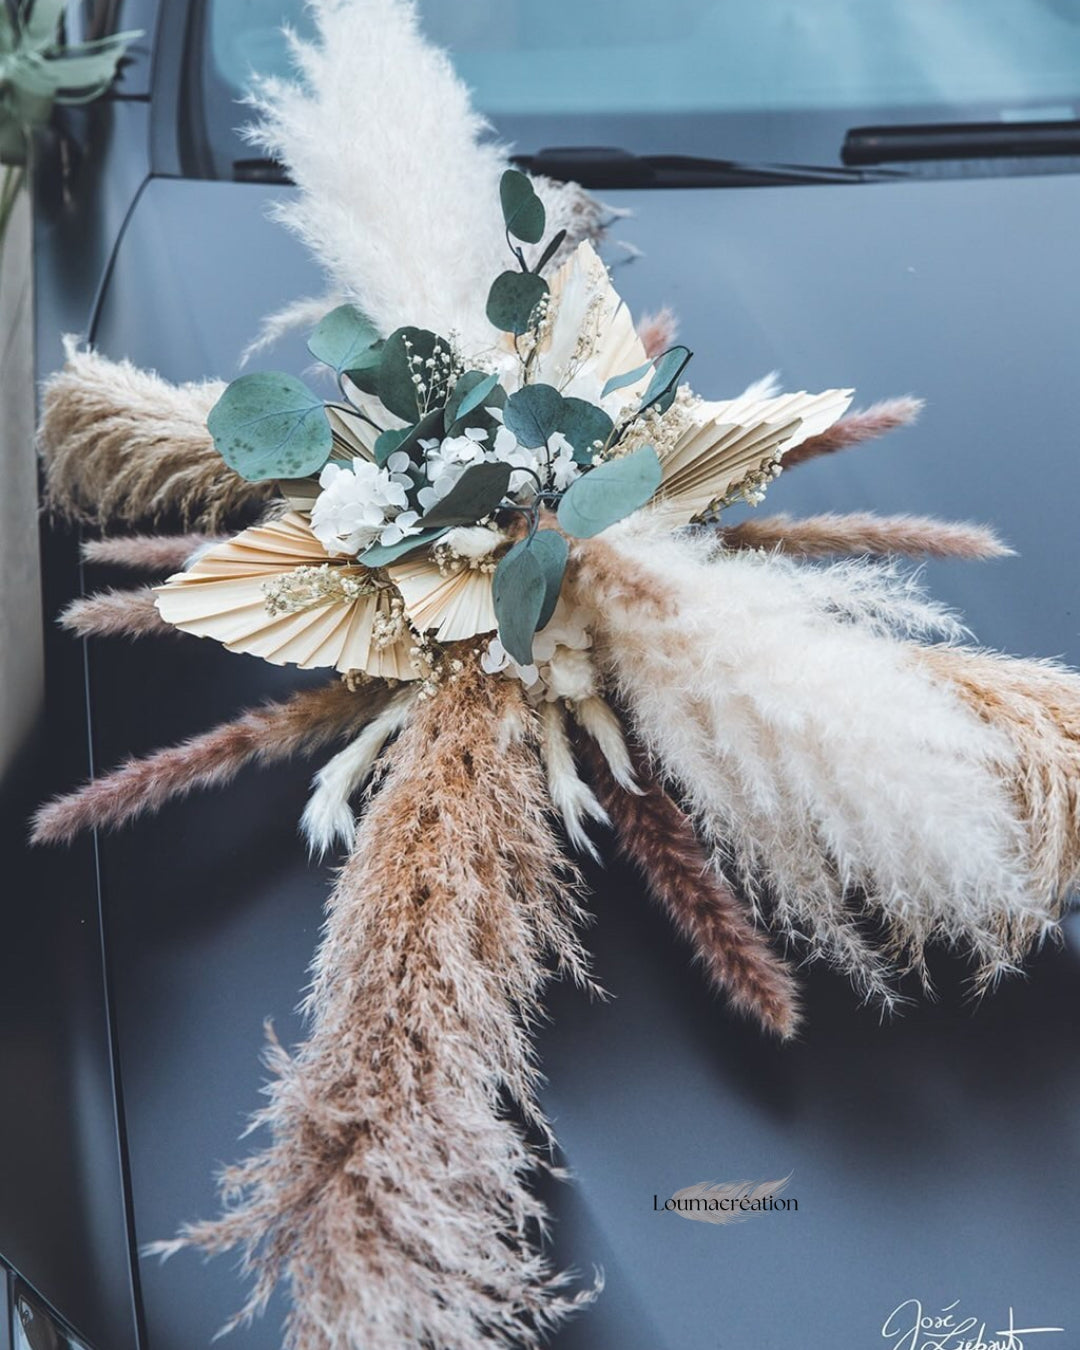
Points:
(777, 80)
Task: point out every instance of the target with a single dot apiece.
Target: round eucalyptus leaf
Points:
(552, 552)
(534, 413)
(475, 495)
(270, 425)
(405, 355)
(381, 555)
(342, 338)
(523, 211)
(583, 424)
(519, 588)
(512, 299)
(665, 381)
(609, 492)
(475, 389)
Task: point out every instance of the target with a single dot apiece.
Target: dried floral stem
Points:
(123, 445)
(393, 1196)
(856, 428)
(863, 533)
(276, 731)
(656, 835)
(116, 613)
(147, 552)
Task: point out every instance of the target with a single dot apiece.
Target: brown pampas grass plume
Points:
(657, 331)
(658, 838)
(1036, 704)
(115, 613)
(122, 446)
(858, 427)
(164, 553)
(276, 731)
(393, 1196)
(863, 534)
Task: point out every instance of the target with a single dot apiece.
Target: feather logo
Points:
(728, 1202)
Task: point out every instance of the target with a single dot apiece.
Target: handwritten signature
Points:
(911, 1327)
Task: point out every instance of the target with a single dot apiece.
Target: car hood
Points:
(962, 292)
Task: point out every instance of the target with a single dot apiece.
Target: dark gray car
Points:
(882, 196)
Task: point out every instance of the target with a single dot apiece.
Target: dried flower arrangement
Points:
(505, 537)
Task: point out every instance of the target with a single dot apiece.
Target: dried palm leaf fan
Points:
(504, 541)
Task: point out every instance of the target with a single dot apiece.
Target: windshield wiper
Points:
(609, 167)
(960, 140)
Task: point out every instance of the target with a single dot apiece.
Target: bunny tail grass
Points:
(657, 331)
(393, 1196)
(273, 732)
(123, 446)
(658, 838)
(163, 553)
(116, 614)
(858, 427)
(865, 534)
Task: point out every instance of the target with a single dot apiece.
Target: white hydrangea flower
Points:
(447, 460)
(560, 668)
(360, 505)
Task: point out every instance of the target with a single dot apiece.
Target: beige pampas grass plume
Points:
(265, 735)
(865, 534)
(123, 446)
(392, 1196)
(161, 553)
(857, 427)
(115, 613)
(850, 788)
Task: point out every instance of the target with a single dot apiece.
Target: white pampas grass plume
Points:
(573, 799)
(726, 1202)
(850, 788)
(304, 313)
(398, 192)
(328, 818)
(123, 445)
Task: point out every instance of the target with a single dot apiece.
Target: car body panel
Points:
(951, 1121)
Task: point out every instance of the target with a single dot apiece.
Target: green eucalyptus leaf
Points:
(342, 338)
(512, 299)
(621, 381)
(661, 389)
(609, 492)
(519, 590)
(476, 494)
(534, 413)
(381, 555)
(549, 252)
(551, 551)
(40, 23)
(583, 424)
(522, 209)
(271, 425)
(364, 372)
(405, 353)
(474, 389)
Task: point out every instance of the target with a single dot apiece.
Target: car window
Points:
(698, 74)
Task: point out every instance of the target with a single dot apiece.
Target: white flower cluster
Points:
(561, 666)
(553, 465)
(361, 504)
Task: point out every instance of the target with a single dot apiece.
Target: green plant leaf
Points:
(396, 387)
(386, 442)
(512, 299)
(553, 247)
(519, 589)
(364, 373)
(40, 23)
(382, 555)
(271, 425)
(551, 551)
(583, 424)
(662, 387)
(609, 492)
(522, 209)
(476, 494)
(534, 413)
(621, 381)
(474, 389)
(344, 336)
